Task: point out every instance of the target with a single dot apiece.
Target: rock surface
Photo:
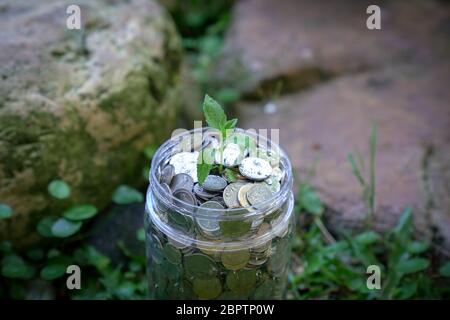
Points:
(303, 42)
(397, 78)
(412, 112)
(80, 105)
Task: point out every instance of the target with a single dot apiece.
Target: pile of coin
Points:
(200, 264)
(196, 272)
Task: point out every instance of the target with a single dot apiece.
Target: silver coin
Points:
(219, 199)
(273, 184)
(232, 155)
(259, 193)
(202, 193)
(185, 162)
(230, 194)
(278, 173)
(182, 181)
(256, 169)
(186, 196)
(167, 174)
(211, 140)
(214, 183)
(209, 225)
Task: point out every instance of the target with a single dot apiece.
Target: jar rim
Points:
(225, 213)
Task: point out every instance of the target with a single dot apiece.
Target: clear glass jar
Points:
(247, 258)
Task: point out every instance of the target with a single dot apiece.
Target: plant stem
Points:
(326, 234)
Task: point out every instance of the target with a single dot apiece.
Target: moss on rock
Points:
(80, 105)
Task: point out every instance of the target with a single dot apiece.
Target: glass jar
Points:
(247, 253)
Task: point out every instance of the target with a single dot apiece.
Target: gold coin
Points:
(235, 260)
(242, 194)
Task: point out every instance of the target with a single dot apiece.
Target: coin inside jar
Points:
(255, 168)
(231, 155)
(182, 181)
(214, 183)
(242, 194)
(235, 260)
(259, 193)
(202, 193)
(209, 225)
(215, 239)
(185, 162)
(167, 174)
(185, 196)
(230, 194)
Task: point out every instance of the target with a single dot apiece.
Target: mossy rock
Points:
(80, 105)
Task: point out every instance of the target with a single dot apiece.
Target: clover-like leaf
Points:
(125, 195)
(44, 226)
(80, 212)
(412, 265)
(59, 189)
(444, 270)
(63, 228)
(53, 271)
(14, 266)
(5, 211)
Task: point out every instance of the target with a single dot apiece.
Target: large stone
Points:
(410, 104)
(300, 43)
(80, 105)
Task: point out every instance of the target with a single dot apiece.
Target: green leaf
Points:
(80, 212)
(405, 222)
(59, 189)
(230, 175)
(203, 170)
(214, 114)
(44, 226)
(418, 246)
(227, 95)
(64, 228)
(53, 253)
(35, 254)
(140, 234)
(444, 270)
(412, 265)
(403, 229)
(5, 247)
(367, 238)
(96, 258)
(407, 290)
(5, 211)
(13, 266)
(230, 124)
(125, 195)
(53, 271)
(309, 200)
(204, 164)
(356, 171)
(150, 150)
(125, 290)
